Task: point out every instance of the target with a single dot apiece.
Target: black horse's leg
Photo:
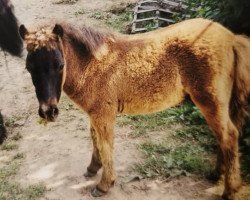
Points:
(2, 129)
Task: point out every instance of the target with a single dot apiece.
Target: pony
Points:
(10, 41)
(107, 74)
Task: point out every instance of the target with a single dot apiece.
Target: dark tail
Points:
(239, 105)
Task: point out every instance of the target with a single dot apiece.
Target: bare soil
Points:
(58, 154)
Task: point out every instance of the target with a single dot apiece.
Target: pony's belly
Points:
(152, 104)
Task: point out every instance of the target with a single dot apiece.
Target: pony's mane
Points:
(86, 39)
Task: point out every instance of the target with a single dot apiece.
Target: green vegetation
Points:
(80, 12)
(9, 146)
(172, 161)
(191, 149)
(186, 114)
(12, 121)
(118, 20)
(9, 189)
(66, 2)
(18, 156)
(234, 14)
(16, 137)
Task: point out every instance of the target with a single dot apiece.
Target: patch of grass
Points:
(169, 162)
(118, 21)
(186, 114)
(141, 124)
(18, 156)
(12, 190)
(150, 26)
(66, 2)
(8, 171)
(80, 12)
(99, 15)
(16, 137)
(9, 190)
(121, 8)
(200, 134)
(34, 191)
(192, 151)
(9, 146)
(11, 122)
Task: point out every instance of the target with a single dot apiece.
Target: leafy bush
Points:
(233, 14)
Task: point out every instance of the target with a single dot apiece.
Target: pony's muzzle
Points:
(48, 112)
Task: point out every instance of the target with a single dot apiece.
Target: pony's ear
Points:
(23, 31)
(58, 30)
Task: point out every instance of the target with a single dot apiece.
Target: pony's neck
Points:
(74, 69)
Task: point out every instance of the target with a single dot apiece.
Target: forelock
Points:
(43, 38)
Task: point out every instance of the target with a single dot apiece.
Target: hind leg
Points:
(219, 168)
(217, 116)
(95, 163)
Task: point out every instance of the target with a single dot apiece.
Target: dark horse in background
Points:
(10, 41)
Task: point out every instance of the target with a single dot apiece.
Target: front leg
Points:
(95, 163)
(104, 128)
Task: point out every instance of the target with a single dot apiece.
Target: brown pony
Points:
(107, 74)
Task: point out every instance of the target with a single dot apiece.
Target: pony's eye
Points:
(59, 66)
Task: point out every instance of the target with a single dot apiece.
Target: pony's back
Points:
(160, 64)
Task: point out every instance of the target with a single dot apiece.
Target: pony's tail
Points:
(241, 89)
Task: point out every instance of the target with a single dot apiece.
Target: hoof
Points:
(89, 174)
(213, 176)
(229, 196)
(97, 192)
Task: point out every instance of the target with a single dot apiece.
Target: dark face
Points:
(46, 69)
(10, 39)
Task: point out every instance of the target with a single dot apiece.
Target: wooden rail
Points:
(153, 14)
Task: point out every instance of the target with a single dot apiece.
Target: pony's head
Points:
(45, 62)
(10, 39)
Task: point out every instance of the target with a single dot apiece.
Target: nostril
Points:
(41, 113)
(54, 111)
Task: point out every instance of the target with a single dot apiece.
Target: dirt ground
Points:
(58, 154)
